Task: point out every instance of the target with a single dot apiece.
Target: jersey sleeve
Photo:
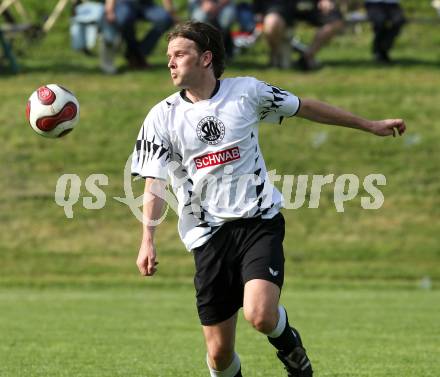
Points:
(152, 151)
(275, 103)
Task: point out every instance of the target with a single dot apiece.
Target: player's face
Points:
(184, 62)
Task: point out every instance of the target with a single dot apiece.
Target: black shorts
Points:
(239, 251)
(307, 11)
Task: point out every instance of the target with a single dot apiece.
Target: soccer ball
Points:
(52, 111)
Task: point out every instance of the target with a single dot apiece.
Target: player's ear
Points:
(207, 59)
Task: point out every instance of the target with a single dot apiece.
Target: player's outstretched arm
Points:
(322, 112)
(152, 210)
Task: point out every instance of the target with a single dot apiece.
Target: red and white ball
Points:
(52, 111)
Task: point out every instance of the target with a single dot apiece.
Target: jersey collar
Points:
(214, 92)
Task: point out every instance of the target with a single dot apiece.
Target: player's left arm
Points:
(322, 112)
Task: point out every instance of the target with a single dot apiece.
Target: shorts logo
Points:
(217, 158)
(210, 130)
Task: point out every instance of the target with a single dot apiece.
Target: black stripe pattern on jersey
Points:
(274, 102)
(192, 205)
(259, 189)
(150, 149)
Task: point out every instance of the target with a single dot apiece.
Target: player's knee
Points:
(220, 355)
(261, 319)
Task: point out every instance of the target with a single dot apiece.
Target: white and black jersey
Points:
(210, 151)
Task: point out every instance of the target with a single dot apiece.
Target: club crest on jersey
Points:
(210, 130)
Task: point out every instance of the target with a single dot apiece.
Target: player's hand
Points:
(388, 127)
(146, 260)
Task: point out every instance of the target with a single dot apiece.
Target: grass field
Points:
(152, 332)
(362, 285)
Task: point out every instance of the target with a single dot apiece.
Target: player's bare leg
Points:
(261, 308)
(220, 341)
(260, 304)
(275, 31)
(322, 37)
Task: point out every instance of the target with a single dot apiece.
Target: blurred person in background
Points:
(88, 27)
(276, 17)
(279, 15)
(219, 13)
(387, 18)
(125, 14)
(245, 16)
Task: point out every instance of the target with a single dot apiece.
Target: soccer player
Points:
(205, 138)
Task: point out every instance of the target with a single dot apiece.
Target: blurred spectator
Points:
(387, 19)
(276, 17)
(219, 13)
(245, 17)
(281, 14)
(323, 14)
(125, 14)
(89, 25)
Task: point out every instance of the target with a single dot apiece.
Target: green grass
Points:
(154, 332)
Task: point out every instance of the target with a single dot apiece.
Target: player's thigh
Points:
(261, 298)
(220, 338)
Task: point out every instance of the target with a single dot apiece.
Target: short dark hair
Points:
(206, 38)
